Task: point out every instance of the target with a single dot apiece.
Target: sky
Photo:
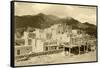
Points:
(81, 13)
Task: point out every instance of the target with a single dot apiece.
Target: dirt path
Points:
(58, 58)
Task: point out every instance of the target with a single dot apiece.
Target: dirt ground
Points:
(58, 58)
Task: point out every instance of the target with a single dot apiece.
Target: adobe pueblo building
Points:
(55, 39)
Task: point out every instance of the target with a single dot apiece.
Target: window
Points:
(46, 48)
(29, 42)
(18, 52)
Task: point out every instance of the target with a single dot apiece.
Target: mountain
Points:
(38, 21)
(91, 29)
(44, 21)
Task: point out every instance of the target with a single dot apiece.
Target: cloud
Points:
(81, 13)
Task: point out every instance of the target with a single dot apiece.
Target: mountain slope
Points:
(37, 21)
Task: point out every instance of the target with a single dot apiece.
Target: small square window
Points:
(18, 52)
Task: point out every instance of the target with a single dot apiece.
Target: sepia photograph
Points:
(51, 33)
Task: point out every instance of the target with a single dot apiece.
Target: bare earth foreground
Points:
(58, 58)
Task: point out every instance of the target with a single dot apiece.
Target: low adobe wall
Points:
(38, 54)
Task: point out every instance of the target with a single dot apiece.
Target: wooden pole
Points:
(84, 48)
(64, 51)
(69, 51)
(87, 48)
(79, 49)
